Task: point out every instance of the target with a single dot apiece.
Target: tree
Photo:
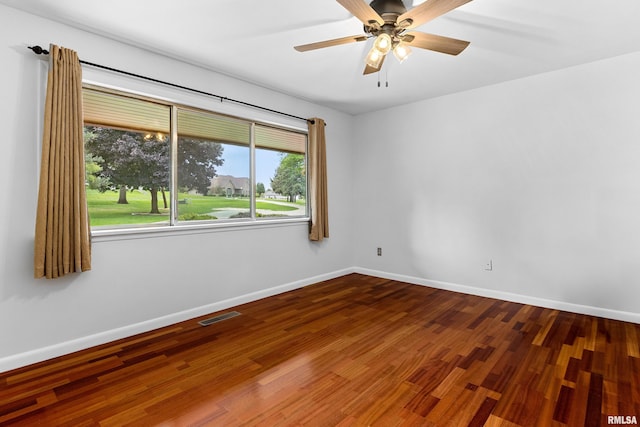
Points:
(197, 162)
(260, 189)
(135, 160)
(111, 145)
(92, 169)
(290, 179)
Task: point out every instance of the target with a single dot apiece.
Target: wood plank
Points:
(354, 350)
(594, 402)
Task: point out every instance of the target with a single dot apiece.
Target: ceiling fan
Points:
(391, 24)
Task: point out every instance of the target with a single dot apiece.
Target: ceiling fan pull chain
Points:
(386, 77)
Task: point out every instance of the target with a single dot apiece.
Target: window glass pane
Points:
(127, 177)
(281, 184)
(129, 159)
(213, 174)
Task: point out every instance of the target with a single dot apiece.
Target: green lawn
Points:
(103, 209)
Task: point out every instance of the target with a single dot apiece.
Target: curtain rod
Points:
(40, 51)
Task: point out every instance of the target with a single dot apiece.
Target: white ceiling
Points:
(253, 40)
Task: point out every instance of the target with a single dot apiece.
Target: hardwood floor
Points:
(351, 351)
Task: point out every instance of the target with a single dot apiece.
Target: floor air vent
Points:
(220, 318)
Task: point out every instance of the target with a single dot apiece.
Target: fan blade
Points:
(429, 10)
(329, 43)
(369, 69)
(437, 43)
(362, 11)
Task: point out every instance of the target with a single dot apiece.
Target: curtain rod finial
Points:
(38, 50)
(313, 122)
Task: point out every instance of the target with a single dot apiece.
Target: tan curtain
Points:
(319, 228)
(62, 235)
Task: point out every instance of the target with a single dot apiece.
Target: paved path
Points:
(229, 212)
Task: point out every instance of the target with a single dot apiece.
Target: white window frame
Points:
(201, 226)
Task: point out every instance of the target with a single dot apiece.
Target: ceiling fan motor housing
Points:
(389, 11)
(393, 8)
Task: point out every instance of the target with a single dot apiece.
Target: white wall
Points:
(137, 284)
(539, 175)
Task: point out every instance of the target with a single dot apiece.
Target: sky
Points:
(236, 163)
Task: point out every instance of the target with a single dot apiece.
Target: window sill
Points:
(112, 234)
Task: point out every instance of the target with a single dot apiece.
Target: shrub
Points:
(192, 216)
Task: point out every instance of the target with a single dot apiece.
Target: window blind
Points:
(195, 124)
(122, 112)
(280, 139)
(128, 113)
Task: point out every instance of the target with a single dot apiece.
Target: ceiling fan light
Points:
(401, 52)
(374, 58)
(383, 43)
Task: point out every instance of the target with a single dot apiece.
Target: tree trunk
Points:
(154, 201)
(164, 198)
(122, 197)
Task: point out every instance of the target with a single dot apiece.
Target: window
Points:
(150, 164)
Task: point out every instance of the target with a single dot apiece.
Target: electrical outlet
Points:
(379, 251)
(489, 266)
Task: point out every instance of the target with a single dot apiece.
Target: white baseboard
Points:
(507, 296)
(46, 353)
